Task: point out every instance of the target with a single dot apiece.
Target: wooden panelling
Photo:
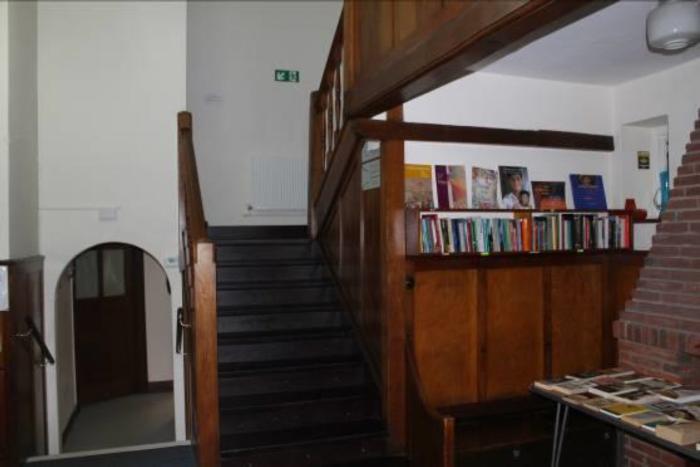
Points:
(371, 274)
(445, 334)
(513, 340)
(577, 318)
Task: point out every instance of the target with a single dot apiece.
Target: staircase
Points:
(293, 385)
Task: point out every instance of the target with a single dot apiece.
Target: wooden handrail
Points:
(197, 322)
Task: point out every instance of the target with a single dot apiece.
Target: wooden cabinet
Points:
(486, 329)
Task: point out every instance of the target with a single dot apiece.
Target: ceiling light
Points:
(674, 25)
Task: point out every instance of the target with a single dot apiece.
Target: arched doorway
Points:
(114, 350)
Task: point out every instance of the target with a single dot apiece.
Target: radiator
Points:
(278, 187)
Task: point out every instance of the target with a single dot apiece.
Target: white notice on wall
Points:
(371, 175)
(4, 290)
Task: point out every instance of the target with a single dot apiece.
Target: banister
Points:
(33, 332)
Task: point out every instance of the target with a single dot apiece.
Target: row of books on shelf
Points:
(669, 410)
(523, 233)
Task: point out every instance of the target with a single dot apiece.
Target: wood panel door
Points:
(109, 322)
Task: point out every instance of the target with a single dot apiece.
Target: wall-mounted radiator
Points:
(278, 187)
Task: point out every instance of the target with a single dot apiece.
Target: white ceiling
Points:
(606, 48)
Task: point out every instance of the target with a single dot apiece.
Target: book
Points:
(656, 384)
(442, 185)
(582, 399)
(419, 186)
(638, 397)
(611, 388)
(618, 410)
(549, 195)
(642, 418)
(680, 433)
(588, 191)
(457, 188)
(687, 413)
(680, 395)
(597, 403)
(484, 188)
(651, 426)
(516, 192)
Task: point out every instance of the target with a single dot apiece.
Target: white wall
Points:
(239, 112)
(159, 319)
(111, 80)
(65, 350)
(4, 133)
(673, 93)
(23, 162)
(490, 100)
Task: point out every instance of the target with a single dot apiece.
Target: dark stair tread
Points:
(235, 369)
(293, 397)
(276, 284)
(311, 260)
(223, 241)
(240, 442)
(392, 461)
(258, 232)
(323, 307)
(285, 335)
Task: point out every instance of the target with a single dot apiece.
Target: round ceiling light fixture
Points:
(674, 25)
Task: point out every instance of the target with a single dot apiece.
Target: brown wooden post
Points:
(205, 358)
(393, 263)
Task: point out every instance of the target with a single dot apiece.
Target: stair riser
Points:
(297, 350)
(277, 297)
(314, 455)
(280, 322)
(266, 252)
(258, 232)
(292, 381)
(271, 274)
(298, 415)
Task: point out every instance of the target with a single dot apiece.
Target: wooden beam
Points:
(466, 43)
(407, 131)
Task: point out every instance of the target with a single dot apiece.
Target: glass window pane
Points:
(86, 275)
(113, 273)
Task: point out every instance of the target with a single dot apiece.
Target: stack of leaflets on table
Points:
(597, 403)
(641, 419)
(581, 399)
(640, 396)
(615, 372)
(682, 433)
(655, 384)
(550, 384)
(573, 387)
(680, 395)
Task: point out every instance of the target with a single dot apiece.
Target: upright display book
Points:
(457, 187)
(484, 188)
(516, 192)
(549, 195)
(419, 186)
(588, 191)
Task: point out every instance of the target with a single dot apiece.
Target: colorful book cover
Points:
(549, 195)
(484, 188)
(588, 191)
(419, 186)
(457, 187)
(443, 186)
(516, 192)
(618, 410)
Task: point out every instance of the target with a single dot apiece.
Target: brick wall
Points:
(659, 331)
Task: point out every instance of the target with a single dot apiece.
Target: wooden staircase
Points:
(294, 389)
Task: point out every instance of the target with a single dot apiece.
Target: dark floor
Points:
(176, 456)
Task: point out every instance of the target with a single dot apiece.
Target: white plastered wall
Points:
(240, 113)
(4, 133)
(111, 80)
(499, 101)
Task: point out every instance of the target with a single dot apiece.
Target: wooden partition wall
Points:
(397, 50)
(197, 317)
(22, 394)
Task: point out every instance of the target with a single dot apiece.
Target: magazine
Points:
(419, 186)
(516, 192)
(588, 191)
(549, 195)
(484, 188)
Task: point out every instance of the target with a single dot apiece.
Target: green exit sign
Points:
(287, 76)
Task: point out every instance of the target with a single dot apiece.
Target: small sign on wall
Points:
(287, 76)
(643, 160)
(4, 289)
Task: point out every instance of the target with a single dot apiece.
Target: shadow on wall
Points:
(113, 347)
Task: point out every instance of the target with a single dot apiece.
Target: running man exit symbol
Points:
(287, 76)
